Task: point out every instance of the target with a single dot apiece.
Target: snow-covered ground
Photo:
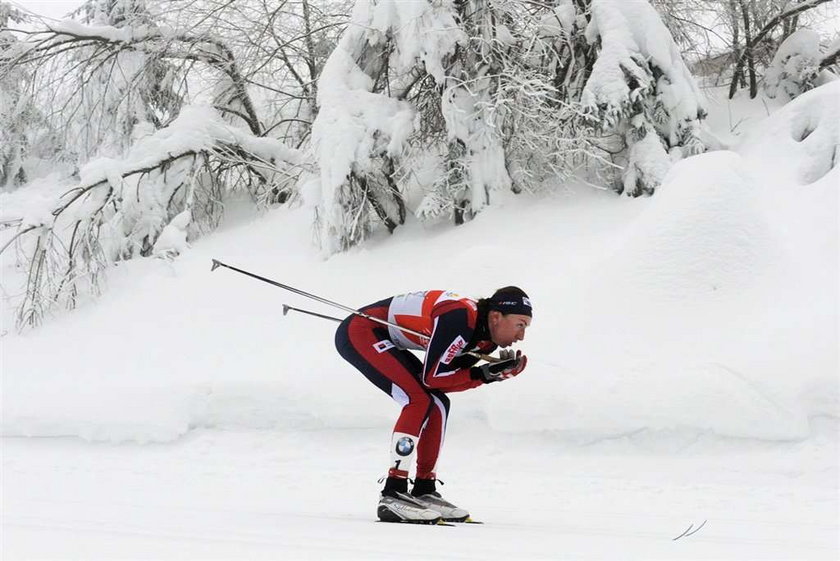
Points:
(683, 370)
(310, 494)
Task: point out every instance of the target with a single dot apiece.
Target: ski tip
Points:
(216, 265)
(471, 521)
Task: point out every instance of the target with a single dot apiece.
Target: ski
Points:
(404, 523)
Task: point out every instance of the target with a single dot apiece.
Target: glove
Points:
(507, 354)
(510, 366)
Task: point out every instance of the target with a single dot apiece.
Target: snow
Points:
(559, 22)
(123, 34)
(682, 368)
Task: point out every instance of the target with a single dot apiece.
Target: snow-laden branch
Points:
(160, 41)
(151, 202)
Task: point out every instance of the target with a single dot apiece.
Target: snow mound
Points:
(704, 233)
(802, 139)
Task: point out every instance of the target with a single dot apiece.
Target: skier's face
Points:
(506, 330)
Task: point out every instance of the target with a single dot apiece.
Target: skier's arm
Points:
(465, 386)
(464, 361)
(467, 361)
(451, 331)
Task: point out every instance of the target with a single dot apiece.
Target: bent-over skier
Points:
(454, 326)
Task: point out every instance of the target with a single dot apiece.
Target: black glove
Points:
(510, 366)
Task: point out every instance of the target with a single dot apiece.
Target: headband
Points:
(511, 303)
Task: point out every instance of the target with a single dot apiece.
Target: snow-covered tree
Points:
(163, 192)
(762, 21)
(438, 89)
(548, 140)
(795, 66)
(120, 94)
(16, 107)
(641, 90)
(155, 172)
(360, 127)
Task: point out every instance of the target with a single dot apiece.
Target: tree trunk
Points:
(748, 49)
(737, 74)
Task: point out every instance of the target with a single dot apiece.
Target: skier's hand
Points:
(510, 365)
(506, 354)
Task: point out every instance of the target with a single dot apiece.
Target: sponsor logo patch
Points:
(382, 346)
(405, 446)
(454, 348)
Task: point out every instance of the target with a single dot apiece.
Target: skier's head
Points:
(509, 314)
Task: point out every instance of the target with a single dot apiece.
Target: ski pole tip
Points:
(285, 309)
(216, 265)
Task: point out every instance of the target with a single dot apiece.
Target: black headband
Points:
(509, 303)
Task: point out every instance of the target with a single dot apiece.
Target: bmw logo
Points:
(405, 446)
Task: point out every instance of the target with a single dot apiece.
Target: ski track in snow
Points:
(275, 495)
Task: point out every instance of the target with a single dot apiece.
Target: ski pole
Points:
(217, 264)
(286, 309)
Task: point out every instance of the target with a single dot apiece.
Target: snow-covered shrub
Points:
(153, 201)
(795, 66)
(641, 90)
(504, 96)
(152, 169)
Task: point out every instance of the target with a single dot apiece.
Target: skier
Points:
(454, 327)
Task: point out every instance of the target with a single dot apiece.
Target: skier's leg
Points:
(367, 347)
(432, 436)
(431, 441)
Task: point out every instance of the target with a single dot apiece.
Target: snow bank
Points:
(716, 310)
(800, 145)
(704, 236)
(698, 320)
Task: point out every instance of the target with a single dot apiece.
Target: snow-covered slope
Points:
(704, 313)
(717, 294)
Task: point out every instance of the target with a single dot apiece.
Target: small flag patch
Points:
(382, 346)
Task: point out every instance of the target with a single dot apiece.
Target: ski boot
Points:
(424, 492)
(402, 507)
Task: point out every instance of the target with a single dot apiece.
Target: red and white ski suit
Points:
(382, 354)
